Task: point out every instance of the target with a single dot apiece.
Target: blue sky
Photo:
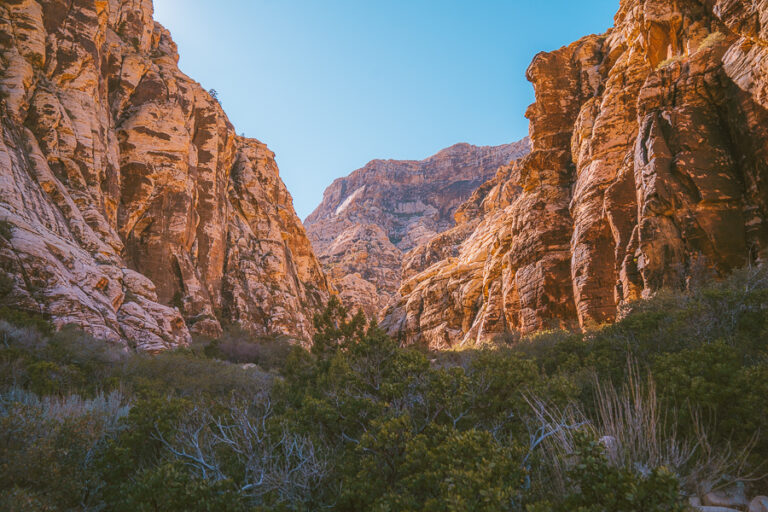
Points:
(332, 84)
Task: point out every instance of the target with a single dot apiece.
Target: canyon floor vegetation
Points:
(665, 404)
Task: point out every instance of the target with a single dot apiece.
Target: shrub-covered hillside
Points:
(667, 404)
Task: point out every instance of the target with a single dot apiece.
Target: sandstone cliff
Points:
(128, 205)
(649, 164)
(368, 220)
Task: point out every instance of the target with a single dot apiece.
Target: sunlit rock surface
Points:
(649, 165)
(128, 204)
(369, 219)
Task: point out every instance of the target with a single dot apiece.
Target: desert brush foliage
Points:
(666, 403)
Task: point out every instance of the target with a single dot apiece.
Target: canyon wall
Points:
(649, 166)
(128, 204)
(369, 219)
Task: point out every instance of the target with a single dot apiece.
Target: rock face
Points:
(649, 164)
(128, 205)
(368, 220)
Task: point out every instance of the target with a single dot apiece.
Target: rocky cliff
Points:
(128, 205)
(368, 220)
(649, 165)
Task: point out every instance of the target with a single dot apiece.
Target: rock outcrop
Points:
(368, 220)
(649, 165)
(128, 204)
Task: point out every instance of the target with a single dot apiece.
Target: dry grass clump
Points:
(638, 434)
(711, 40)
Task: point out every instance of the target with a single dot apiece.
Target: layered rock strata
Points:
(128, 205)
(649, 165)
(369, 219)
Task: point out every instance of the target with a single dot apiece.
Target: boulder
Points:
(758, 504)
(733, 497)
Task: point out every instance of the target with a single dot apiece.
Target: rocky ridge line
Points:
(368, 220)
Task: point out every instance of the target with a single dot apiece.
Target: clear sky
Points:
(332, 84)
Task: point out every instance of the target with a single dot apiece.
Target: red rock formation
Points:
(649, 163)
(129, 206)
(370, 218)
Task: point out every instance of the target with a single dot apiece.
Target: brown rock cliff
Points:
(649, 165)
(128, 204)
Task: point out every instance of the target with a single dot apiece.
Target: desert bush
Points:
(239, 346)
(68, 361)
(601, 486)
(640, 436)
(711, 40)
(267, 466)
(670, 61)
(20, 338)
(21, 318)
(19, 499)
(187, 375)
(336, 330)
(714, 379)
(6, 229)
(47, 447)
(360, 423)
(440, 469)
(506, 339)
(169, 486)
(6, 284)
(48, 377)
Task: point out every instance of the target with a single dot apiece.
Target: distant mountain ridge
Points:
(369, 219)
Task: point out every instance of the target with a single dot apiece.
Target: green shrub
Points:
(600, 487)
(47, 377)
(21, 318)
(335, 330)
(714, 378)
(6, 229)
(47, 445)
(438, 470)
(670, 61)
(359, 423)
(136, 447)
(239, 346)
(6, 284)
(186, 375)
(169, 486)
(711, 40)
(21, 499)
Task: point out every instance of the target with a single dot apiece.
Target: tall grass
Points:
(111, 407)
(637, 433)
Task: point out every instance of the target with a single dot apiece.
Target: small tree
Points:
(336, 330)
